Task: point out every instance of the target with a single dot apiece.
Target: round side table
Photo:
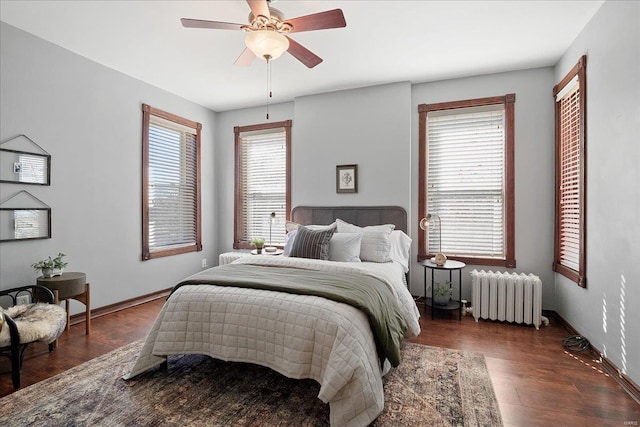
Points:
(449, 266)
(276, 252)
(72, 285)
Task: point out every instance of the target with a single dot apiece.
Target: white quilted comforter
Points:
(297, 335)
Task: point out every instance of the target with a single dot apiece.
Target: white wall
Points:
(606, 312)
(534, 164)
(89, 118)
(370, 127)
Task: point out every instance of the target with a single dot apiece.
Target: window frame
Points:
(508, 101)
(238, 206)
(147, 253)
(577, 276)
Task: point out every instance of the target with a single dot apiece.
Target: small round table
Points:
(276, 252)
(72, 285)
(449, 266)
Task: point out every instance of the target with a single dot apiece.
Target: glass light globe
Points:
(266, 43)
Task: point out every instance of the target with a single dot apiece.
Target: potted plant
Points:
(51, 266)
(442, 293)
(259, 244)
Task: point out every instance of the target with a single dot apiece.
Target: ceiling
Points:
(384, 42)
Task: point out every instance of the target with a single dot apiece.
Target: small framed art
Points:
(347, 179)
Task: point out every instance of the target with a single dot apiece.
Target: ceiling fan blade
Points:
(318, 21)
(303, 54)
(246, 58)
(259, 7)
(199, 23)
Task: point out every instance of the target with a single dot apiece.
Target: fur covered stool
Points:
(22, 324)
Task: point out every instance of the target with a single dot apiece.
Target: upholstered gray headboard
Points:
(357, 215)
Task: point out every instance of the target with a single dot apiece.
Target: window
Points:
(170, 184)
(466, 178)
(570, 213)
(262, 183)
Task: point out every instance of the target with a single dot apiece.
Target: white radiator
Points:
(507, 297)
(229, 257)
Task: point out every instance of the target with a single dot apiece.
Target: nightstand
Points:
(449, 266)
(276, 252)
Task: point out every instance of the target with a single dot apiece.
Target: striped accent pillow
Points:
(312, 243)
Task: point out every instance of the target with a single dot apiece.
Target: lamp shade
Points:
(267, 43)
(440, 258)
(424, 222)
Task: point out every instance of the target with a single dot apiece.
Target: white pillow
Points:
(291, 226)
(345, 247)
(345, 227)
(288, 242)
(376, 243)
(400, 248)
(375, 246)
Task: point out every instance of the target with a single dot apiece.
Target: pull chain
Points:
(269, 94)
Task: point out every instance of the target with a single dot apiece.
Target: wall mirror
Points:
(23, 217)
(25, 162)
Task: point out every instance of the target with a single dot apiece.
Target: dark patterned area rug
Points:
(432, 387)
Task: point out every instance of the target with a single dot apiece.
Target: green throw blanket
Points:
(361, 291)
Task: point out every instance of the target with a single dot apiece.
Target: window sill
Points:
(170, 252)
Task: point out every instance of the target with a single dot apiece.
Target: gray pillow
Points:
(312, 243)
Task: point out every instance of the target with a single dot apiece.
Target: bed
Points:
(300, 335)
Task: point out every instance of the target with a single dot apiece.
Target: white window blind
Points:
(569, 185)
(264, 175)
(172, 185)
(466, 180)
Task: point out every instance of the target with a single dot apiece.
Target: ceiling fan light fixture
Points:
(267, 43)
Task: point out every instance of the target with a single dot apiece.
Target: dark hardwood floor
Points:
(536, 382)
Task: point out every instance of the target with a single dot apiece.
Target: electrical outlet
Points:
(22, 299)
(204, 263)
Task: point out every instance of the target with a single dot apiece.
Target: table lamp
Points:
(272, 219)
(440, 258)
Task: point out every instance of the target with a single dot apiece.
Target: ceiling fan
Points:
(267, 32)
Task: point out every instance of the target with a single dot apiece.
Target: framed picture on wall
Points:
(347, 179)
